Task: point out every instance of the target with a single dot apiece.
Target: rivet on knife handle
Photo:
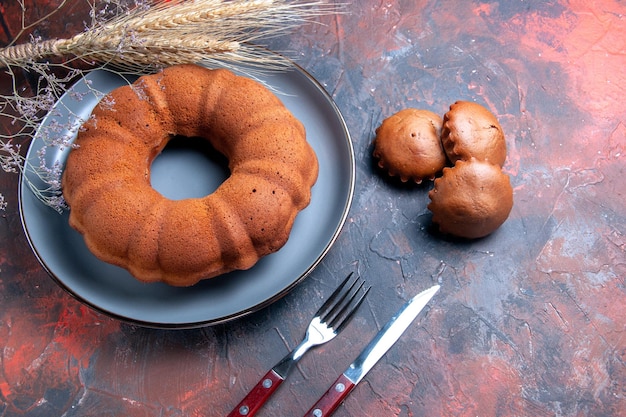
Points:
(335, 395)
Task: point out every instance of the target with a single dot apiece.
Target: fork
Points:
(329, 320)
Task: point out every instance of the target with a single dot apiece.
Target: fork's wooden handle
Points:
(258, 395)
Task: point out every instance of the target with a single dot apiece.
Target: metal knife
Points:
(372, 353)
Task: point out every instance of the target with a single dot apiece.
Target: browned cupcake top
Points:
(471, 200)
(408, 145)
(471, 131)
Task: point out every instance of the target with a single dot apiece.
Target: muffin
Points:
(471, 200)
(471, 131)
(408, 145)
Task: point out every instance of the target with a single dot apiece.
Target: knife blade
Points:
(376, 349)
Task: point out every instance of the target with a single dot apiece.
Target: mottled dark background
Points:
(531, 321)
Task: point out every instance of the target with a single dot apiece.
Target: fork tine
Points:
(334, 298)
(340, 310)
(347, 312)
(341, 304)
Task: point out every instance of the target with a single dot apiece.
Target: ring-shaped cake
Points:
(126, 222)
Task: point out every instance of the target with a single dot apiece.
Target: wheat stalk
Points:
(177, 31)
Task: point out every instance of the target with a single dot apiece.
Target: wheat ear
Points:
(178, 31)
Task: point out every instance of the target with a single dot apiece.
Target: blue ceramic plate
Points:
(115, 292)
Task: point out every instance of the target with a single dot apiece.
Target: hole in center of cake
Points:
(188, 168)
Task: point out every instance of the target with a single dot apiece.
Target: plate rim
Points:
(349, 196)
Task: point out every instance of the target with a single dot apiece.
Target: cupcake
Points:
(408, 145)
(471, 131)
(471, 199)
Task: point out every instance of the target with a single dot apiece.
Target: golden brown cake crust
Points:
(471, 131)
(471, 200)
(407, 145)
(126, 222)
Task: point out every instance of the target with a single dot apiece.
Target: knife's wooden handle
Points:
(258, 395)
(335, 395)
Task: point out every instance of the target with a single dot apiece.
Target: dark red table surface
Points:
(531, 321)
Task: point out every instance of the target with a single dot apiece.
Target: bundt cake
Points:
(407, 145)
(126, 222)
(471, 131)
